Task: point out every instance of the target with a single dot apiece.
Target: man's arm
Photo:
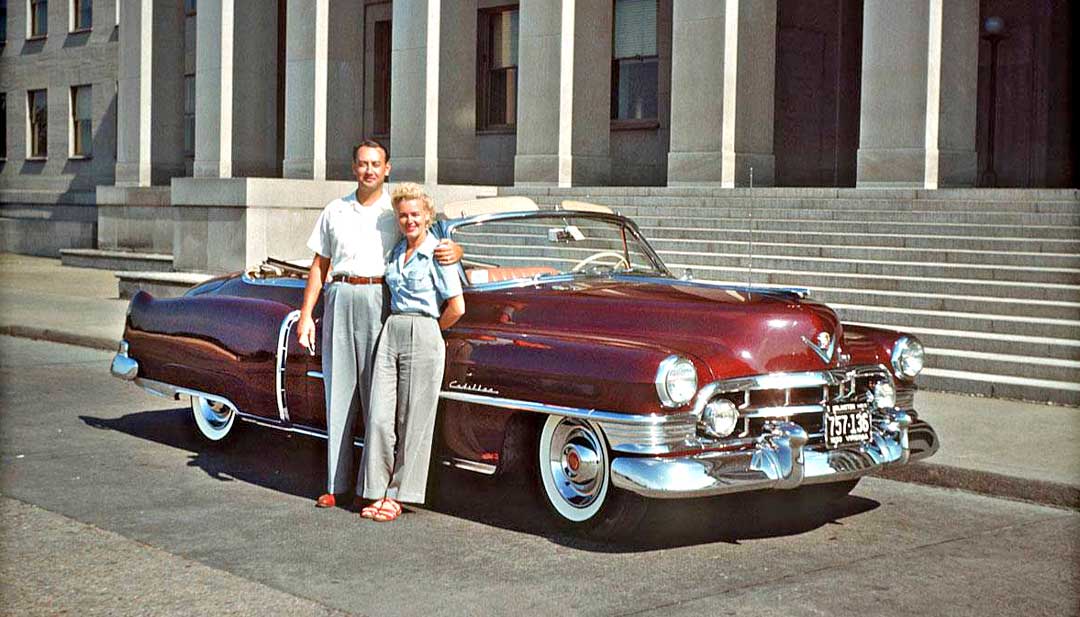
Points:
(448, 252)
(305, 328)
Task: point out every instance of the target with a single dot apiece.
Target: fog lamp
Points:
(719, 418)
(884, 395)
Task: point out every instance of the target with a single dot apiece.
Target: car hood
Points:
(732, 331)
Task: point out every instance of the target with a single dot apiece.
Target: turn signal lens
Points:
(719, 418)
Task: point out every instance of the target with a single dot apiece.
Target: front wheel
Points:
(575, 474)
(213, 418)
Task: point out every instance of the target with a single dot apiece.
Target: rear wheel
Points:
(214, 418)
(575, 474)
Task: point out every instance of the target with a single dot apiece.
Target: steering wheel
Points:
(597, 256)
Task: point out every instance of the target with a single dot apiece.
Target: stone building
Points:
(200, 136)
(826, 93)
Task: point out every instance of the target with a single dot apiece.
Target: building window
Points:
(39, 18)
(81, 15)
(189, 7)
(38, 110)
(82, 133)
(381, 103)
(497, 31)
(189, 116)
(3, 127)
(634, 61)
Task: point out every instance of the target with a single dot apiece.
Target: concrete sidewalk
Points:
(1000, 447)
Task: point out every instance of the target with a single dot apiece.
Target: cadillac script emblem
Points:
(823, 346)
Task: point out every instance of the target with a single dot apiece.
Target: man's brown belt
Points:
(356, 280)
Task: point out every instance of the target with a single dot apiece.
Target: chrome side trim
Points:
(172, 392)
(558, 410)
(630, 433)
(315, 374)
(292, 428)
(282, 358)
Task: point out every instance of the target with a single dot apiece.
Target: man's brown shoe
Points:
(326, 500)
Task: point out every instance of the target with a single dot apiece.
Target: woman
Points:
(408, 367)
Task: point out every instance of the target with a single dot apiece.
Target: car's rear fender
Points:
(221, 345)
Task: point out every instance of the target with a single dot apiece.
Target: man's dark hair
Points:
(371, 143)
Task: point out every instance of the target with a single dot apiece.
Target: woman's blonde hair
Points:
(410, 190)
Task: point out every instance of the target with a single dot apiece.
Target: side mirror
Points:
(688, 275)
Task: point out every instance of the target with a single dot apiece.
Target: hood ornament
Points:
(824, 346)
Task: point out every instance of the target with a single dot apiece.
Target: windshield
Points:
(536, 245)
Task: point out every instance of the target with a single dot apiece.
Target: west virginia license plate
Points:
(846, 424)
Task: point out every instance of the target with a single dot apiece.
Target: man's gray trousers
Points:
(352, 319)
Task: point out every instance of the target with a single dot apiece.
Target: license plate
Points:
(846, 424)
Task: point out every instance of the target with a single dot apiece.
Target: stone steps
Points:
(835, 238)
(116, 260)
(988, 279)
(868, 253)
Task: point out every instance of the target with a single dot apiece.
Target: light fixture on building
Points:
(993, 31)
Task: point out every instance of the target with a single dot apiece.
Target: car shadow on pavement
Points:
(296, 464)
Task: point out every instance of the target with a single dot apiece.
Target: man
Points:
(351, 239)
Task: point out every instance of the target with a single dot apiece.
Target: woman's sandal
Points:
(388, 511)
(371, 510)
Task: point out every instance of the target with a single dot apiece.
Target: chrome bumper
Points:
(123, 366)
(780, 460)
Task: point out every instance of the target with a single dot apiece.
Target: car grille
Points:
(793, 397)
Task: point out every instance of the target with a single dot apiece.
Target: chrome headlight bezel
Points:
(908, 357)
(676, 381)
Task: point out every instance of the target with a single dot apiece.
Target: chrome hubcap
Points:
(576, 462)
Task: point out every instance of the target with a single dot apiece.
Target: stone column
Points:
(213, 90)
(150, 101)
(414, 90)
(564, 93)
(723, 66)
(236, 119)
(919, 86)
(345, 79)
(457, 147)
(306, 40)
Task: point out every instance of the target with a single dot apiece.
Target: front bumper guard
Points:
(780, 460)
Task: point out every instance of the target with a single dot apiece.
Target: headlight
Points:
(719, 418)
(907, 356)
(676, 381)
(884, 395)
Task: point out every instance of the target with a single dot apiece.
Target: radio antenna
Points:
(750, 230)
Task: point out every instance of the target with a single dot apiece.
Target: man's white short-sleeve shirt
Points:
(356, 238)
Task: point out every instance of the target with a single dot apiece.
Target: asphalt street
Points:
(111, 505)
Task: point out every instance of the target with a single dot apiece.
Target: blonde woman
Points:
(408, 367)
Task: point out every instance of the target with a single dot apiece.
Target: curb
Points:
(1042, 492)
(60, 336)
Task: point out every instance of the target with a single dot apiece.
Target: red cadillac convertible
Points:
(582, 360)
